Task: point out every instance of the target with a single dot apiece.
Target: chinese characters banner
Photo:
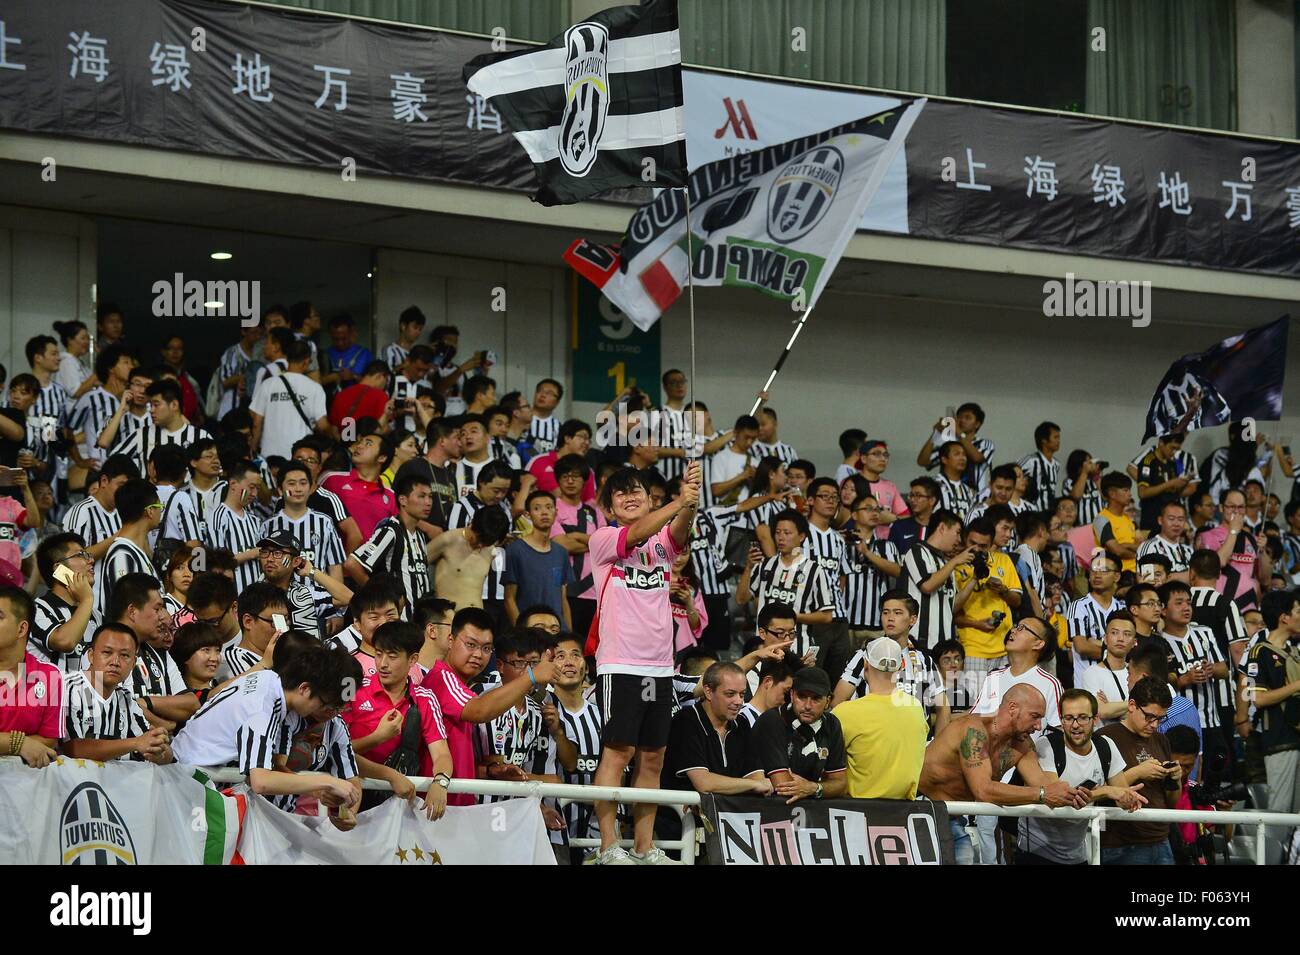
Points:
(275, 84)
(1116, 190)
(255, 83)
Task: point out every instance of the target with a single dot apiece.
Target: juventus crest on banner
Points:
(597, 108)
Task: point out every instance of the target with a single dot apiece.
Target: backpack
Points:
(164, 547)
(1057, 740)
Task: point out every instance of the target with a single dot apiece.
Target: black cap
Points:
(812, 680)
(280, 540)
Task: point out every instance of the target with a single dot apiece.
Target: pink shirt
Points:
(367, 503)
(566, 521)
(543, 468)
(13, 519)
(889, 499)
(34, 704)
(636, 622)
(684, 635)
(452, 694)
(1241, 566)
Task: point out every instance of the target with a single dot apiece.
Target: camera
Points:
(980, 563)
(1204, 795)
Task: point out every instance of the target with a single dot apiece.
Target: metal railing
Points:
(681, 802)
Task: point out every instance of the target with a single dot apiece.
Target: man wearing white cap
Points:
(884, 731)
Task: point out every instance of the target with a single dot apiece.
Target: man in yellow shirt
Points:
(884, 731)
(985, 618)
(1113, 529)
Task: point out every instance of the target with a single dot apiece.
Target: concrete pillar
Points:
(1266, 67)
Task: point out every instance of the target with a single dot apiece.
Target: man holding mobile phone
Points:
(263, 613)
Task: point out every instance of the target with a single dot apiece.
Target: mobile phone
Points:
(63, 575)
(1088, 784)
(1103, 464)
(1169, 764)
(1286, 450)
(281, 625)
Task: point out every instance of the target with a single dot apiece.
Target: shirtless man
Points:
(966, 762)
(462, 558)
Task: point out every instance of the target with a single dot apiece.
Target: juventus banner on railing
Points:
(287, 86)
(749, 831)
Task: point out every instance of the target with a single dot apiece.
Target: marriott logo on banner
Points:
(738, 121)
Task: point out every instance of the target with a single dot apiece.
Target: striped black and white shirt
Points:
(503, 449)
(976, 475)
(1087, 618)
(1029, 567)
(1178, 554)
(514, 736)
(395, 550)
(802, 584)
(1221, 615)
(53, 403)
(140, 444)
(243, 724)
(328, 503)
(934, 620)
(402, 390)
(49, 613)
(204, 507)
(583, 728)
(461, 515)
(956, 496)
(827, 548)
(181, 517)
(1044, 475)
(90, 414)
(155, 674)
(131, 423)
(777, 449)
(864, 585)
(122, 557)
(466, 475)
(1088, 506)
(326, 748)
(92, 716)
(88, 519)
(237, 532)
(234, 361)
(395, 356)
(317, 541)
(544, 433)
(1215, 693)
(236, 660)
(918, 676)
(670, 427)
(707, 537)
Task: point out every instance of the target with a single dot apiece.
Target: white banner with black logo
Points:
(746, 830)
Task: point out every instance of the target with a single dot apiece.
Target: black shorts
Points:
(637, 710)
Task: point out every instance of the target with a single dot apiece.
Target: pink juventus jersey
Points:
(636, 621)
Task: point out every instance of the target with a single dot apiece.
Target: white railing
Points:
(682, 801)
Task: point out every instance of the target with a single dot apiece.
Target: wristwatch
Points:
(443, 780)
(821, 790)
(1042, 794)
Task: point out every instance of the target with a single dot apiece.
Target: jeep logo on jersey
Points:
(638, 579)
(92, 831)
(803, 192)
(586, 765)
(586, 96)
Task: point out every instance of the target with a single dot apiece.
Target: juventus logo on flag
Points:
(597, 108)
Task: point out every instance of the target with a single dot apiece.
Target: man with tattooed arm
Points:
(967, 761)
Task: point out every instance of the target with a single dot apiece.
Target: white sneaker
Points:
(615, 855)
(655, 856)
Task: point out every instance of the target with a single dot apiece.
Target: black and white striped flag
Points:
(597, 108)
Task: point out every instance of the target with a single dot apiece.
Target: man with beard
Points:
(799, 745)
(286, 569)
(966, 762)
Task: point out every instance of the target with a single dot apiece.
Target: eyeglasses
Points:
(826, 497)
(780, 634)
(440, 625)
(472, 647)
(919, 494)
(155, 506)
(1156, 604)
(516, 664)
(270, 620)
(272, 552)
(1074, 720)
(84, 555)
(1149, 717)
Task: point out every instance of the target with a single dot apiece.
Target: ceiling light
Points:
(222, 256)
(214, 304)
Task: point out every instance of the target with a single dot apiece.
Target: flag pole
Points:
(776, 369)
(690, 294)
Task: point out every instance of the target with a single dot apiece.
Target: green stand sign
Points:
(609, 352)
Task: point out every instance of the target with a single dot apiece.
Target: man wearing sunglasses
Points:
(1150, 761)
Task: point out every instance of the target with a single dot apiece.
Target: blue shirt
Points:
(354, 359)
(1182, 712)
(538, 575)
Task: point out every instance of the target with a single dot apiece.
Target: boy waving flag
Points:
(597, 108)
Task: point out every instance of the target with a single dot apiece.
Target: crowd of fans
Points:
(326, 566)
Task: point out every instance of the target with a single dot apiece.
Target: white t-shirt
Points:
(727, 464)
(1101, 679)
(243, 725)
(282, 425)
(1063, 841)
(998, 681)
